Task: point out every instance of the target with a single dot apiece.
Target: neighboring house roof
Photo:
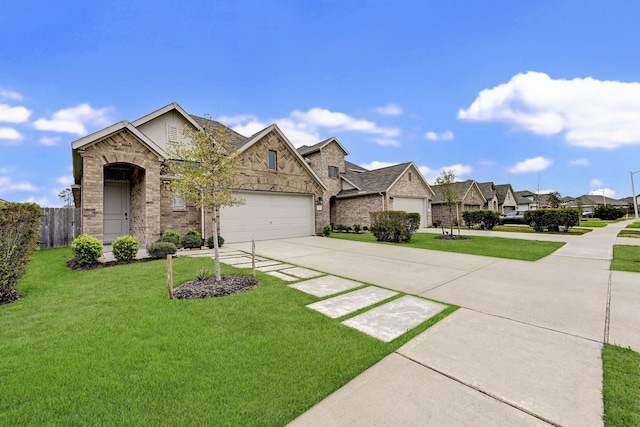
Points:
(502, 190)
(596, 200)
(460, 187)
(305, 150)
(375, 181)
(524, 197)
(488, 189)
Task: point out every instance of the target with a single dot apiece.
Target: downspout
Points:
(202, 218)
(382, 195)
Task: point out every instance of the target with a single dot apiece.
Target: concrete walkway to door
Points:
(524, 349)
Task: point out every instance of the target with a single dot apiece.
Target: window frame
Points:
(272, 157)
(336, 170)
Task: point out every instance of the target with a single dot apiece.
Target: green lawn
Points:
(106, 347)
(575, 231)
(626, 258)
(526, 250)
(627, 232)
(621, 387)
(634, 225)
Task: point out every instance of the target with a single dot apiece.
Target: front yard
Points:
(525, 250)
(106, 347)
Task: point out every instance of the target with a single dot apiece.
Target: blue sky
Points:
(539, 94)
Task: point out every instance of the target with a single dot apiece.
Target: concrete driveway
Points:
(524, 349)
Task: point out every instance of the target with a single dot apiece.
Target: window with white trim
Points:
(333, 172)
(273, 160)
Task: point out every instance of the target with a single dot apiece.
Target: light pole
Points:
(633, 195)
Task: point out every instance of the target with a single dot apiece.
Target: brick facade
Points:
(356, 210)
(122, 149)
(473, 200)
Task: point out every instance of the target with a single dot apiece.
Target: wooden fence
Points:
(59, 226)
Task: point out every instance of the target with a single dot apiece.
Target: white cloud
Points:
(443, 136)
(7, 185)
(377, 165)
(534, 164)
(49, 140)
(10, 94)
(304, 128)
(66, 180)
(458, 169)
(11, 135)
(75, 119)
(587, 112)
(579, 162)
(10, 114)
(603, 192)
(389, 110)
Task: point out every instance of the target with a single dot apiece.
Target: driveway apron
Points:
(524, 349)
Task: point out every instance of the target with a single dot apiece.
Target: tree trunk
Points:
(214, 220)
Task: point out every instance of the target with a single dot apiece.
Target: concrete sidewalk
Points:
(524, 349)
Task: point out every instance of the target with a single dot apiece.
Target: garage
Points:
(411, 204)
(267, 216)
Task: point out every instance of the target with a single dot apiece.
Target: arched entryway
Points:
(123, 201)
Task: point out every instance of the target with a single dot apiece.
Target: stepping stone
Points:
(387, 322)
(353, 301)
(302, 273)
(282, 276)
(274, 267)
(262, 263)
(326, 285)
(238, 260)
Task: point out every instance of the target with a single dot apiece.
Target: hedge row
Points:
(552, 219)
(394, 226)
(485, 219)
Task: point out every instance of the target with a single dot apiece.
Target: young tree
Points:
(205, 167)
(451, 197)
(67, 197)
(554, 200)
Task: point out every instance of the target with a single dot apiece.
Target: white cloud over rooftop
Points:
(585, 111)
(534, 164)
(75, 119)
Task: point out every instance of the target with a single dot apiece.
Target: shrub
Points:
(161, 249)
(482, 218)
(326, 230)
(191, 241)
(193, 232)
(391, 226)
(203, 274)
(365, 228)
(171, 236)
(86, 249)
(356, 228)
(19, 231)
(552, 219)
(414, 221)
(210, 241)
(125, 248)
(609, 212)
(437, 223)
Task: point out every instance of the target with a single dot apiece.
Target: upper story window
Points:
(333, 172)
(409, 176)
(273, 160)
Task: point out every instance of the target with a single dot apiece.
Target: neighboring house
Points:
(353, 192)
(500, 198)
(589, 202)
(471, 199)
(123, 186)
(526, 200)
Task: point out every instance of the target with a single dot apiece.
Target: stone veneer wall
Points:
(178, 219)
(137, 202)
(440, 211)
(121, 148)
(289, 177)
(356, 210)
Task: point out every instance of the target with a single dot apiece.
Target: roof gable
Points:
(306, 150)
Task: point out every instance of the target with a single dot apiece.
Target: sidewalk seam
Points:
(486, 393)
(607, 315)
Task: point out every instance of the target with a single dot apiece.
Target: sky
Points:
(543, 95)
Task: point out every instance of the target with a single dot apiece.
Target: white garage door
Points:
(268, 216)
(409, 204)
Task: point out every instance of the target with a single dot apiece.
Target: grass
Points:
(626, 232)
(634, 225)
(106, 347)
(594, 223)
(499, 247)
(621, 386)
(518, 229)
(626, 258)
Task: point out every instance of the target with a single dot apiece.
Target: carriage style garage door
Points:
(268, 216)
(409, 204)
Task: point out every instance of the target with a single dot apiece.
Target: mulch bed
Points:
(227, 285)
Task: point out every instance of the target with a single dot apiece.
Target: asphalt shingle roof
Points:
(377, 180)
(235, 138)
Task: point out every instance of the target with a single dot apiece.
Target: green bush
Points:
(485, 219)
(326, 230)
(19, 231)
(193, 232)
(609, 212)
(414, 221)
(86, 249)
(161, 249)
(125, 248)
(171, 236)
(191, 241)
(203, 274)
(356, 228)
(210, 241)
(552, 219)
(391, 226)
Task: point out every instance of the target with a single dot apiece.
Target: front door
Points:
(116, 210)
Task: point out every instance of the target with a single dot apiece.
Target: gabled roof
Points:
(377, 180)
(502, 190)
(487, 189)
(235, 138)
(305, 150)
(173, 106)
(348, 166)
(460, 187)
(595, 199)
(274, 128)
